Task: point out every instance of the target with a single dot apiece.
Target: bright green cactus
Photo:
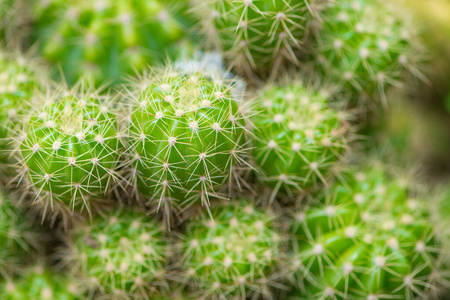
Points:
(122, 254)
(298, 138)
(39, 282)
(186, 135)
(370, 239)
(256, 35)
(108, 39)
(69, 150)
(367, 46)
(233, 256)
(16, 235)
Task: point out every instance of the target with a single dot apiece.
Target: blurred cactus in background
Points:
(108, 39)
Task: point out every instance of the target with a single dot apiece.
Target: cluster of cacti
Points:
(367, 239)
(107, 39)
(183, 181)
(366, 46)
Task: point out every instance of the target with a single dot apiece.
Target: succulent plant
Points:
(186, 137)
(69, 149)
(299, 136)
(122, 254)
(233, 256)
(369, 239)
(39, 282)
(17, 235)
(256, 35)
(108, 39)
(367, 46)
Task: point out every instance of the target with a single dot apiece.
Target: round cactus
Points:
(367, 46)
(16, 235)
(299, 137)
(69, 149)
(232, 257)
(39, 282)
(186, 135)
(107, 39)
(122, 254)
(370, 239)
(256, 35)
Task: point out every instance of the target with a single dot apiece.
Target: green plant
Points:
(186, 137)
(299, 136)
(108, 39)
(17, 235)
(69, 149)
(367, 46)
(256, 35)
(233, 256)
(369, 239)
(122, 254)
(39, 282)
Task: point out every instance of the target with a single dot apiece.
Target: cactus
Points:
(122, 254)
(186, 136)
(69, 149)
(256, 35)
(369, 239)
(108, 39)
(39, 282)
(16, 235)
(232, 257)
(299, 137)
(367, 46)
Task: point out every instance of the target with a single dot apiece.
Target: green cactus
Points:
(369, 239)
(17, 235)
(367, 46)
(299, 137)
(121, 254)
(186, 135)
(233, 256)
(39, 282)
(108, 39)
(256, 35)
(69, 150)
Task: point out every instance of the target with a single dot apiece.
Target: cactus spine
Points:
(299, 137)
(232, 257)
(370, 239)
(186, 136)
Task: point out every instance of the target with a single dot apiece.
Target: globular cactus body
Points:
(299, 137)
(121, 254)
(186, 135)
(69, 150)
(108, 39)
(39, 282)
(232, 257)
(369, 240)
(256, 35)
(367, 46)
(16, 235)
